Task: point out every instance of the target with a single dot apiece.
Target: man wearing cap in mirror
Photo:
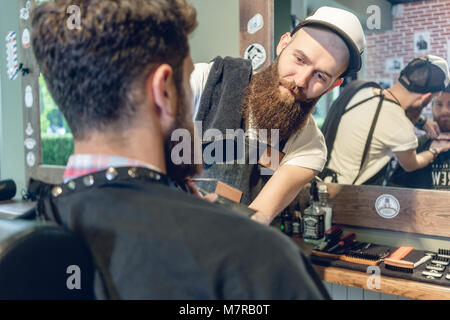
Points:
(393, 133)
(436, 175)
(312, 60)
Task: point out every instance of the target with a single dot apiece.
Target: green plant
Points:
(56, 149)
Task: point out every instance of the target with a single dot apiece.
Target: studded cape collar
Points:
(108, 176)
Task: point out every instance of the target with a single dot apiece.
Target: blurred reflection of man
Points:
(393, 133)
(437, 174)
(312, 60)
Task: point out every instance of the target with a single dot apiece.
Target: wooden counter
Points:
(389, 285)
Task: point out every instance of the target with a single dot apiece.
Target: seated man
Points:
(122, 83)
(360, 160)
(437, 174)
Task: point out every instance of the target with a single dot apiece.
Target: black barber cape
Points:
(151, 241)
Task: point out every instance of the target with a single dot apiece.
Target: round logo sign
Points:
(30, 143)
(257, 54)
(387, 206)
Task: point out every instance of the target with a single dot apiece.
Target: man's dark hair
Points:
(93, 72)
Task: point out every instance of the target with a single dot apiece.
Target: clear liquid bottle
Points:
(286, 223)
(297, 223)
(314, 219)
(324, 203)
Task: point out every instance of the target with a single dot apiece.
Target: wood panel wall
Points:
(425, 212)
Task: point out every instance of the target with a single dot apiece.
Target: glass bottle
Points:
(323, 203)
(314, 219)
(297, 222)
(286, 222)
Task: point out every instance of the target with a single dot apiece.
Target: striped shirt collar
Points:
(83, 164)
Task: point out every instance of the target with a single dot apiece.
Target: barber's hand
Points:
(432, 129)
(262, 218)
(210, 197)
(441, 145)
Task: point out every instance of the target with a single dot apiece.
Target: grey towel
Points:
(221, 101)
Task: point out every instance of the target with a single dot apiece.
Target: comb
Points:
(435, 267)
(431, 274)
(441, 261)
(228, 192)
(442, 253)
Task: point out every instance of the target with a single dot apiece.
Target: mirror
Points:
(397, 31)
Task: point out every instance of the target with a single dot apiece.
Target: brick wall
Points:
(431, 17)
(423, 16)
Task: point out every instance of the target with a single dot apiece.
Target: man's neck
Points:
(142, 147)
(396, 95)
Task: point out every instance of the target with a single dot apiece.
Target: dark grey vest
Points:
(221, 108)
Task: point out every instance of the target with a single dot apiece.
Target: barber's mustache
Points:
(298, 92)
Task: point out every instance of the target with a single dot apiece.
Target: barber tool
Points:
(222, 189)
(443, 253)
(431, 274)
(344, 242)
(366, 253)
(395, 262)
(436, 267)
(332, 236)
(406, 266)
(400, 253)
(240, 208)
(425, 258)
(440, 261)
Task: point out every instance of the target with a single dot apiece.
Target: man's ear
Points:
(426, 98)
(284, 41)
(336, 83)
(162, 87)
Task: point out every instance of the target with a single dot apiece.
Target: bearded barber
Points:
(312, 60)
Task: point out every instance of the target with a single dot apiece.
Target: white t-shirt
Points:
(394, 132)
(305, 149)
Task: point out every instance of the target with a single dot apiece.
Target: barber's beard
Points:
(271, 109)
(180, 172)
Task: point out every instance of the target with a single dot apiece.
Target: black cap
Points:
(425, 74)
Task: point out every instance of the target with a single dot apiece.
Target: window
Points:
(48, 141)
(56, 138)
